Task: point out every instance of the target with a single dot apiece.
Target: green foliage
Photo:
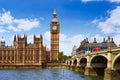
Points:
(69, 56)
(62, 57)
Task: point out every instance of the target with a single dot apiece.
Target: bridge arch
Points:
(75, 62)
(99, 55)
(116, 62)
(70, 62)
(99, 63)
(83, 63)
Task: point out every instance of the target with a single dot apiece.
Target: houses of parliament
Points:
(32, 55)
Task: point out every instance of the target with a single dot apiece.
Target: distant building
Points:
(74, 51)
(86, 46)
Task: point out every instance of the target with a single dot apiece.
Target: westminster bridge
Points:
(103, 63)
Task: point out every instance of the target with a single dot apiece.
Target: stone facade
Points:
(22, 53)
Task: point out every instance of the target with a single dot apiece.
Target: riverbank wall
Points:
(20, 66)
(37, 66)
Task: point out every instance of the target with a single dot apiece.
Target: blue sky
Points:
(78, 19)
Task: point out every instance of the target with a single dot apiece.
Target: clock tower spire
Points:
(54, 19)
(54, 33)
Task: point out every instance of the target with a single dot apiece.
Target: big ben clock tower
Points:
(54, 34)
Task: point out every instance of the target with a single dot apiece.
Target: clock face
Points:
(54, 27)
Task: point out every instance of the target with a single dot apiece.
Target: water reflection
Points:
(44, 74)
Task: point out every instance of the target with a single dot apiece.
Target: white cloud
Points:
(95, 21)
(90, 0)
(10, 27)
(2, 30)
(47, 36)
(86, 0)
(98, 37)
(6, 18)
(117, 39)
(111, 24)
(11, 23)
(117, 1)
(26, 24)
(76, 39)
(63, 37)
(30, 39)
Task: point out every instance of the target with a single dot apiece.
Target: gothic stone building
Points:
(22, 53)
(86, 46)
(33, 55)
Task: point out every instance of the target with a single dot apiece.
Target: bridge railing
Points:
(115, 49)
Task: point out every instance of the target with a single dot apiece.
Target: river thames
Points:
(44, 74)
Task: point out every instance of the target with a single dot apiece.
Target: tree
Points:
(62, 57)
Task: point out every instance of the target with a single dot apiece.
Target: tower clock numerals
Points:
(54, 27)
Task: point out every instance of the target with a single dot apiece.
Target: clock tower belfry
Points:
(54, 37)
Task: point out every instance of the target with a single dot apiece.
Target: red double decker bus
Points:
(96, 49)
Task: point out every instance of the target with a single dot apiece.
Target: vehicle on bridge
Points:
(96, 49)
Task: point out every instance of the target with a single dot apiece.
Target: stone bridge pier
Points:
(112, 72)
(104, 63)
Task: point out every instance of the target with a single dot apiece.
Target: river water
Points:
(44, 74)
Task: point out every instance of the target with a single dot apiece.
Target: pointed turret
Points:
(54, 19)
(2, 42)
(112, 40)
(109, 42)
(18, 37)
(94, 40)
(87, 40)
(34, 37)
(41, 38)
(104, 40)
(108, 38)
(25, 38)
(15, 39)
